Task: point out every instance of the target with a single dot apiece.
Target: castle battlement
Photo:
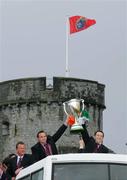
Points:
(35, 89)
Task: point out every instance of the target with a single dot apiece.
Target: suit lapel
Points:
(15, 161)
(23, 160)
(100, 148)
(41, 149)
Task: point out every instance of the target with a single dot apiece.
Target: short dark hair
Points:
(98, 131)
(40, 132)
(20, 142)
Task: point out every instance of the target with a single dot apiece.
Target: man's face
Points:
(42, 138)
(21, 149)
(99, 137)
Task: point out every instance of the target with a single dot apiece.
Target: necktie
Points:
(47, 150)
(96, 149)
(19, 162)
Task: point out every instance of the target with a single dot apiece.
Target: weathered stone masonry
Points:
(27, 106)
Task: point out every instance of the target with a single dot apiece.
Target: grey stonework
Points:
(27, 106)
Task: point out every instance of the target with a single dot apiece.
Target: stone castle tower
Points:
(28, 106)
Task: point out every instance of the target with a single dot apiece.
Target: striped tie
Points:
(96, 149)
(47, 150)
(19, 162)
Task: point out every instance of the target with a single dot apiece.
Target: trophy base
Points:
(76, 129)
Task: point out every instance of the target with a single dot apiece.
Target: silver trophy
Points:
(75, 107)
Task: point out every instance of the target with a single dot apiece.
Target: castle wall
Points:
(27, 106)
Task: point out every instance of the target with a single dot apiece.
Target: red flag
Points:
(79, 23)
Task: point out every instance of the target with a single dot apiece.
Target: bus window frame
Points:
(41, 169)
(106, 163)
(29, 175)
(116, 164)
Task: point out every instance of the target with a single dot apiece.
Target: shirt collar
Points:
(19, 157)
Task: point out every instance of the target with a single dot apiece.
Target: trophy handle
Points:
(64, 105)
(82, 100)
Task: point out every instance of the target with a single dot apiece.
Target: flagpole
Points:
(67, 42)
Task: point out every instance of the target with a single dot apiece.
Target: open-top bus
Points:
(77, 167)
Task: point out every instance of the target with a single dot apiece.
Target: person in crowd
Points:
(5, 165)
(20, 161)
(46, 144)
(5, 162)
(93, 144)
(3, 175)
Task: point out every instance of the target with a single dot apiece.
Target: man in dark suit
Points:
(20, 161)
(93, 144)
(46, 143)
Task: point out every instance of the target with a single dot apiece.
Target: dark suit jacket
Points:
(38, 151)
(26, 161)
(4, 177)
(90, 143)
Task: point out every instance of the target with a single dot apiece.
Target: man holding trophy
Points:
(93, 144)
(46, 144)
(77, 121)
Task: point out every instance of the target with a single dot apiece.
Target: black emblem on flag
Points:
(80, 23)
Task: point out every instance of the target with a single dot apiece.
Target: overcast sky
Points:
(33, 36)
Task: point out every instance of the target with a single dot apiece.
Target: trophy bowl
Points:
(74, 108)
